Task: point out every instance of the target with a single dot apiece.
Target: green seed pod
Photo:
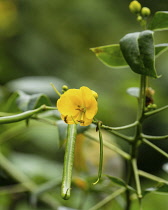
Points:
(135, 7)
(145, 11)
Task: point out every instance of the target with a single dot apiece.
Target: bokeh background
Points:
(44, 41)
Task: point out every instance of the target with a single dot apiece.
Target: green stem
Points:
(132, 164)
(128, 139)
(24, 115)
(154, 137)
(11, 189)
(110, 146)
(55, 89)
(142, 98)
(26, 182)
(152, 177)
(44, 120)
(108, 199)
(137, 180)
(148, 114)
(155, 147)
(121, 127)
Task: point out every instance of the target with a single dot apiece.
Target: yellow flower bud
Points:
(145, 11)
(135, 7)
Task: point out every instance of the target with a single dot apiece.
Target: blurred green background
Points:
(52, 39)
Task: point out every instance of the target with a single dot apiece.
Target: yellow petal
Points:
(68, 119)
(86, 96)
(69, 101)
(86, 122)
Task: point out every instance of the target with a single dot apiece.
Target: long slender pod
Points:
(101, 153)
(68, 161)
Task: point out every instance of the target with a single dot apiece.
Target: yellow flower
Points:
(77, 106)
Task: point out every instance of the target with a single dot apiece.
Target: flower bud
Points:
(135, 7)
(64, 88)
(149, 92)
(145, 11)
(139, 18)
(151, 107)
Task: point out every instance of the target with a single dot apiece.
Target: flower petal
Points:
(69, 101)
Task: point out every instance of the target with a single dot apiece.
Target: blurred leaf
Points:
(165, 167)
(160, 48)
(110, 55)
(36, 84)
(47, 186)
(162, 188)
(133, 91)
(117, 181)
(11, 105)
(120, 182)
(159, 21)
(65, 208)
(33, 166)
(29, 102)
(138, 51)
(62, 129)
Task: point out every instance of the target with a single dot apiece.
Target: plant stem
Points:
(152, 177)
(128, 139)
(108, 199)
(137, 181)
(25, 115)
(120, 127)
(142, 98)
(132, 164)
(155, 147)
(109, 145)
(25, 181)
(154, 137)
(148, 114)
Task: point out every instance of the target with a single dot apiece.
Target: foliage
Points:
(39, 179)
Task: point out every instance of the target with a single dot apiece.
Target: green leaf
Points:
(36, 84)
(159, 21)
(33, 166)
(160, 48)
(110, 55)
(117, 181)
(11, 105)
(29, 102)
(138, 50)
(120, 182)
